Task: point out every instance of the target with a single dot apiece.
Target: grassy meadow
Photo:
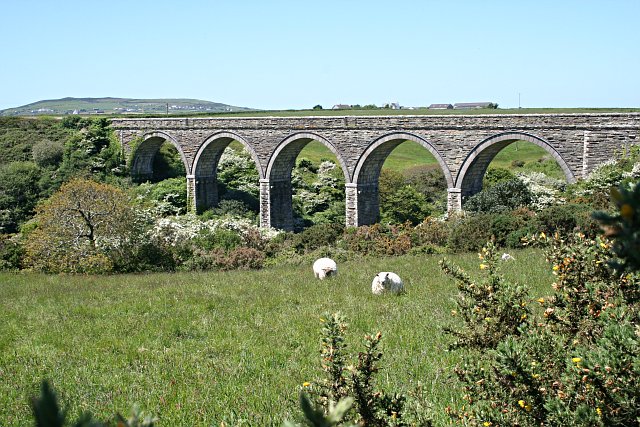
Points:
(202, 348)
(411, 154)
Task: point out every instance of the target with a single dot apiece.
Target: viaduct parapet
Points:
(463, 145)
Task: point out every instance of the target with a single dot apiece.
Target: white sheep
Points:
(324, 267)
(386, 281)
(506, 257)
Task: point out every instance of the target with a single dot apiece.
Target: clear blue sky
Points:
(296, 54)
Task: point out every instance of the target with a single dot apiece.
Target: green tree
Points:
(503, 196)
(47, 153)
(19, 193)
(92, 152)
(405, 204)
(84, 227)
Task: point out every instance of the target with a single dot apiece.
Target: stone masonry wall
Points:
(579, 142)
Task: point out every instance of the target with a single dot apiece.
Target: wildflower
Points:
(486, 423)
(535, 376)
(483, 266)
(544, 236)
(599, 412)
(528, 408)
(556, 267)
(524, 316)
(540, 300)
(626, 211)
(522, 403)
(306, 384)
(523, 304)
(576, 360)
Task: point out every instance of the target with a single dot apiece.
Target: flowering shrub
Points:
(573, 361)
(546, 191)
(174, 231)
(318, 191)
(355, 382)
(490, 309)
(237, 170)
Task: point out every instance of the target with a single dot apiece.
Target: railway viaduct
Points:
(463, 145)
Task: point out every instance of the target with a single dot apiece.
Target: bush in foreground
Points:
(574, 362)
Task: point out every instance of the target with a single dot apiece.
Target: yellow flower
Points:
(556, 268)
(576, 360)
(626, 211)
(523, 304)
(603, 245)
(540, 300)
(486, 424)
(599, 411)
(528, 408)
(524, 316)
(521, 403)
(544, 236)
(306, 384)
(483, 266)
(535, 376)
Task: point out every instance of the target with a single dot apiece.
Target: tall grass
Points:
(201, 348)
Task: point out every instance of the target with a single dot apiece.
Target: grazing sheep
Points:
(387, 282)
(506, 257)
(324, 267)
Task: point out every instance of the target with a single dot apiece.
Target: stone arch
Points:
(369, 166)
(205, 166)
(278, 174)
(471, 173)
(144, 153)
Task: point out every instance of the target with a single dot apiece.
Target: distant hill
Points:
(119, 106)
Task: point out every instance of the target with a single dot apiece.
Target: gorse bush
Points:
(573, 360)
(491, 309)
(47, 413)
(346, 381)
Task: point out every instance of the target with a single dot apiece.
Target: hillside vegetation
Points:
(88, 106)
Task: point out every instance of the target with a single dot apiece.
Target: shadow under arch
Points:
(145, 152)
(278, 174)
(367, 172)
(471, 173)
(205, 166)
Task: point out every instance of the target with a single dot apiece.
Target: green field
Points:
(201, 348)
(410, 154)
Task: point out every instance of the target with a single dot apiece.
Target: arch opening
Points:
(306, 183)
(158, 167)
(227, 176)
(158, 157)
(401, 177)
(512, 156)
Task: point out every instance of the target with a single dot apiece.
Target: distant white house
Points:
(341, 107)
(394, 105)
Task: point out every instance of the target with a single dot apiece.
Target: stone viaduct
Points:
(463, 145)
